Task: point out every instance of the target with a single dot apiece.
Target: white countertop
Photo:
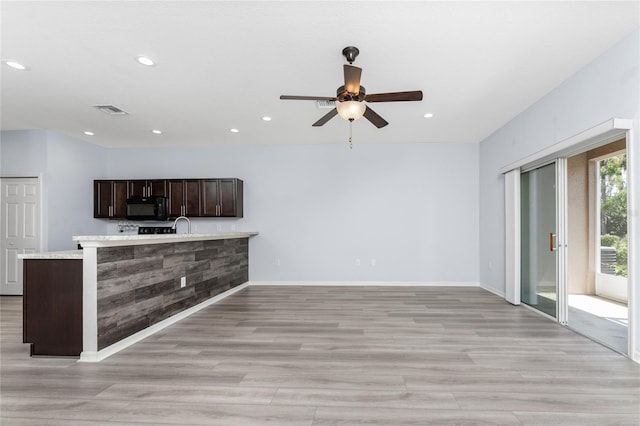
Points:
(66, 254)
(135, 239)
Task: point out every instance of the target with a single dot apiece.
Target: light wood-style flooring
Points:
(294, 355)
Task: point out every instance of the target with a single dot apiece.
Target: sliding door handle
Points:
(552, 246)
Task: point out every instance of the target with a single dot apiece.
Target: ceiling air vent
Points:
(111, 109)
(326, 104)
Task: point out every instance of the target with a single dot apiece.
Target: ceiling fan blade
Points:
(308, 98)
(328, 116)
(415, 95)
(352, 78)
(374, 118)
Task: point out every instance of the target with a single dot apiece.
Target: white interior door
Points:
(20, 233)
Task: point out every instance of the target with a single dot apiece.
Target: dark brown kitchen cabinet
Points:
(110, 199)
(184, 197)
(208, 197)
(52, 306)
(222, 198)
(148, 188)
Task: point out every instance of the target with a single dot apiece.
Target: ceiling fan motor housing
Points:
(343, 95)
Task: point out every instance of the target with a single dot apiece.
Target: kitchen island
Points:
(135, 285)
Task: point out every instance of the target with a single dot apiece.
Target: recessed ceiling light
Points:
(145, 60)
(16, 65)
(234, 130)
(157, 132)
(266, 118)
(88, 133)
(428, 115)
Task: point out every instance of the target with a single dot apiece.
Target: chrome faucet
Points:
(188, 223)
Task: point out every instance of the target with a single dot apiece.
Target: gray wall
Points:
(411, 207)
(606, 88)
(67, 168)
(23, 153)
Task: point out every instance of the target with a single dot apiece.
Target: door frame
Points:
(602, 134)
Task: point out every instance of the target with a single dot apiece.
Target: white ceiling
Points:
(224, 64)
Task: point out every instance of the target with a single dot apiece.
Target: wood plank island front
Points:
(134, 285)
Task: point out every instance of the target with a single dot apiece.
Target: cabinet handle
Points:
(110, 211)
(144, 191)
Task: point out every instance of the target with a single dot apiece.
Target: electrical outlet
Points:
(183, 282)
(219, 227)
(277, 262)
(233, 227)
(373, 262)
(357, 262)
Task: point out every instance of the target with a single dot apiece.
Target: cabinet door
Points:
(192, 198)
(157, 188)
(52, 306)
(102, 196)
(210, 189)
(175, 190)
(148, 188)
(137, 188)
(119, 200)
(228, 198)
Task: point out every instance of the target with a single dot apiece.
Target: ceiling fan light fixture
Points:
(351, 110)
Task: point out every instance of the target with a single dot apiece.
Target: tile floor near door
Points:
(600, 319)
(332, 355)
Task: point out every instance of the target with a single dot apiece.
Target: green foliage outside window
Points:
(613, 208)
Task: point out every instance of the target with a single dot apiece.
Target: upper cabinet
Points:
(184, 197)
(148, 188)
(208, 197)
(222, 198)
(110, 199)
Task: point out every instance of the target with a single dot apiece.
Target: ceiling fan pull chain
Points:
(350, 134)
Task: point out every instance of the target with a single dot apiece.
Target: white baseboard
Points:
(493, 290)
(368, 283)
(98, 356)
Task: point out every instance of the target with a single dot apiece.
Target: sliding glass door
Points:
(539, 268)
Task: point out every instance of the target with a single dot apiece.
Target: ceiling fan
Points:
(350, 98)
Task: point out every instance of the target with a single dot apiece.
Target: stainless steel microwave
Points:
(147, 208)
